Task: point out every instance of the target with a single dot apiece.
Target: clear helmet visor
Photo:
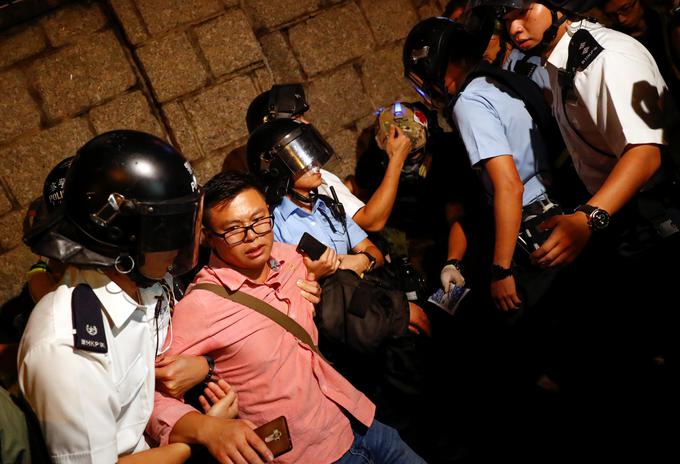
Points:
(432, 96)
(303, 149)
(169, 235)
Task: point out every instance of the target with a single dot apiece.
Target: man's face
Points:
(245, 209)
(526, 27)
(625, 15)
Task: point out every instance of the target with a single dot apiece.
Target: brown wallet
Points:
(276, 436)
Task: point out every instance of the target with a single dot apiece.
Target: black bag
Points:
(361, 314)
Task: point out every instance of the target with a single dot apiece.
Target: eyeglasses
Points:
(624, 10)
(235, 235)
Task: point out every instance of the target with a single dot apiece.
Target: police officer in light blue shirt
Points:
(501, 138)
(287, 156)
(292, 221)
(493, 123)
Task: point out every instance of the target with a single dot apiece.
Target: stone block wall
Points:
(186, 71)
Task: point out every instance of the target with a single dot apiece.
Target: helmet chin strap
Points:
(549, 34)
(304, 199)
(141, 280)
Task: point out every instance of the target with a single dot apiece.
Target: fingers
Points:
(219, 388)
(508, 302)
(224, 385)
(210, 395)
(311, 277)
(204, 404)
(311, 290)
(549, 223)
(165, 359)
(444, 277)
(332, 259)
(259, 445)
(309, 286)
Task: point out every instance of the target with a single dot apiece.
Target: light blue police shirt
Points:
(491, 122)
(291, 221)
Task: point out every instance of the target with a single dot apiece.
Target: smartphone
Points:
(276, 436)
(311, 246)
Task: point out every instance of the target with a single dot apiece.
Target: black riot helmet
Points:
(431, 45)
(52, 197)
(281, 101)
(127, 194)
(284, 149)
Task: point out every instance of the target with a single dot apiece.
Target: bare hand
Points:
(219, 400)
(326, 265)
(357, 263)
(504, 293)
(310, 288)
(398, 144)
(233, 441)
(418, 321)
(176, 374)
(570, 234)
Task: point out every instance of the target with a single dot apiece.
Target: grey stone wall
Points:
(186, 71)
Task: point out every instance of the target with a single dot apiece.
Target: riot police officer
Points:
(129, 220)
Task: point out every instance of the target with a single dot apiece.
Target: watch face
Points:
(599, 219)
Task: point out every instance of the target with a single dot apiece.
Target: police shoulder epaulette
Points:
(583, 49)
(88, 322)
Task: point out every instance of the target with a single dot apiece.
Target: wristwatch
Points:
(499, 272)
(211, 368)
(598, 218)
(371, 261)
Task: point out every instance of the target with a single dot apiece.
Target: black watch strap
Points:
(211, 368)
(598, 218)
(455, 263)
(500, 272)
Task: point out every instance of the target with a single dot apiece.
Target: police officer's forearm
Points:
(508, 216)
(189, 429)
(507, 206)
(174, 453)
(373, 216)
(635, 167)
(457, 242)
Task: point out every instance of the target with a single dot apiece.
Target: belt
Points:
(538, 207)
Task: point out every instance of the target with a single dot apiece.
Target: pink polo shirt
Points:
(273, 373)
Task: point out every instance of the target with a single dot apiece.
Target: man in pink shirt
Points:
(274, 373)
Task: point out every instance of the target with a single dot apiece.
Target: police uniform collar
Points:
(118, 305)
(288, 207)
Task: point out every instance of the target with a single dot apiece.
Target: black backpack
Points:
(532, 96)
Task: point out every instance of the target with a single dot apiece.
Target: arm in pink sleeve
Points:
(189, 335)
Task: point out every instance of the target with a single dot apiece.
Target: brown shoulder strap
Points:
(265, 309)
